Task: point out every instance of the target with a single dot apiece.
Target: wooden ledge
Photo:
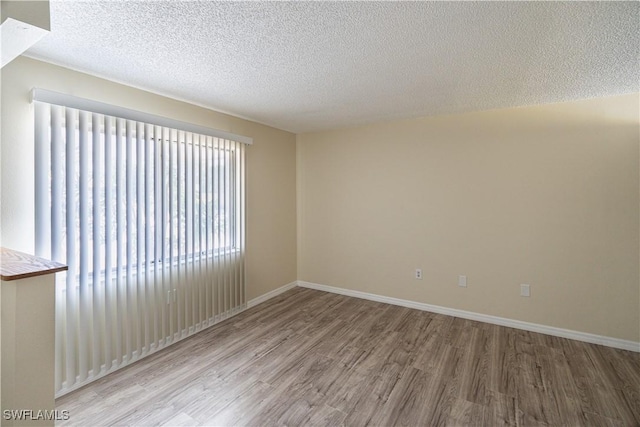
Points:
(16, 265)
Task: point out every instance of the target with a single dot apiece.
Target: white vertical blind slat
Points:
(42, 150)
(193, 284)
(188, 237)
(239, 223)
(180, 237)
(84, 306)
(202, 296)
(129, 311)
(165, 219)
(57, 184)
(173, 226)
(157, 206)
(71, 335)
(225, 198)
(56, 227)
(50, 144)
(242, 234)
(216, 223)
(148, 231)
(208, 226)
(109, 288)
(234, 200)
(236, 225)
(120, 288)
(96, 246)
(140, 212)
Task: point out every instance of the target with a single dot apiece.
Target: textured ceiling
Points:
(308, 66)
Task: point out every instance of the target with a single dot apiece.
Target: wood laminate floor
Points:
(312, 358)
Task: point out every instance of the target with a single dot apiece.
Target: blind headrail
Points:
(65, 100)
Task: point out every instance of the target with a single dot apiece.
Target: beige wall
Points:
(34, 13)
(28, 347)
(545, 195)
(271, 174)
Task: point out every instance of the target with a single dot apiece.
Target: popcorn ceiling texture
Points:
(310, 66)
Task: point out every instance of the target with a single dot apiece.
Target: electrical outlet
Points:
(462, 281)
(525, 291)
(419, 273)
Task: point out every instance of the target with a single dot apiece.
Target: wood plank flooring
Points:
(312, 358)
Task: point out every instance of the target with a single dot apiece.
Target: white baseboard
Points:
(271, 294)
(517, 324)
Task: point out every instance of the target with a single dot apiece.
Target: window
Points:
(149, 217)
(203, 189)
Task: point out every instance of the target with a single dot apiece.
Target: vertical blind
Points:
(149, 217)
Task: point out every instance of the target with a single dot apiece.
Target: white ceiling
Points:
(309, 66)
